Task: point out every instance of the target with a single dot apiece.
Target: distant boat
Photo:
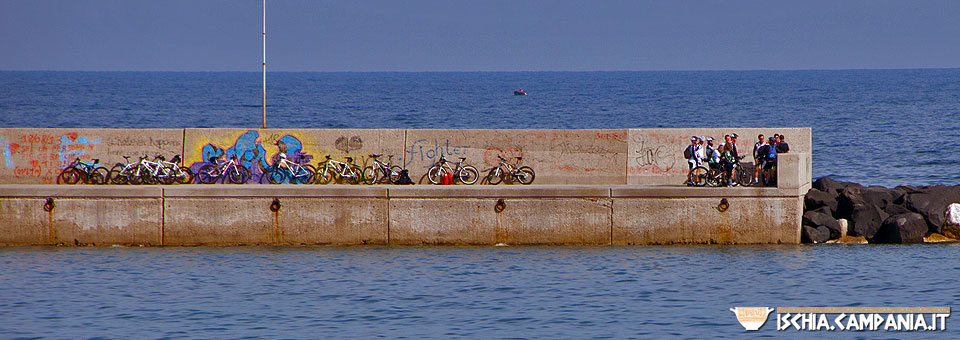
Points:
(519, 92)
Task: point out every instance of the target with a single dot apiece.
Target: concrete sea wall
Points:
(396, 215)
(607, 156)
(593, 187)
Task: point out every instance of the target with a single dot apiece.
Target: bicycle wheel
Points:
(435, 174)
(713, 178)
(744, 177)
(275, 175)
(69, 175)
(166, 176)
(185, 176)
(325, 175)
(207, 174)
(394, 176)
(525, 175)
(307, 173)
(698, 176)
(133, 175)
(370, 175)
(468, 175)
(237, 175)
(355, 174)
(116, 175)
(495, 176)
(148, 178)
(99, 176)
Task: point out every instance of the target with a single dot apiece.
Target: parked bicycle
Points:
(149, 172)
(466, 174)
(217, 170)
(296, 171)
(120, 172)
(86, 172)
(717, 176)
(508, 172)
(380, 171)
(174, 171)
(332, 170)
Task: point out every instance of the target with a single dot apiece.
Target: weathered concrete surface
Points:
(700, 220)
(273, 190)
(655, 156)
(398, 215)
(23, 222)
(442, 221)
(557, 156)
(36, 156)
(219, 221)
(87, 221)
(483, 191)
(333, 221)
(258, 148)
(555, 221)
(794, 170)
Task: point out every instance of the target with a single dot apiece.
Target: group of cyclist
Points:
(724, 157)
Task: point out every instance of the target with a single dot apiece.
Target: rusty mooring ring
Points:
(48, 207)
(723, 206)
(275, 206)
(500, 206)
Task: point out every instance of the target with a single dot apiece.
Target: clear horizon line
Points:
(503, 71)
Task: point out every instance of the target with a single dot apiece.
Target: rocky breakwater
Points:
(848, 211)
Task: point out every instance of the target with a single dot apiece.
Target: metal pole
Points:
(264, 64)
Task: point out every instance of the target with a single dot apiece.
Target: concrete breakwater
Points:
(593, 187)
(905, 214)
(396, 215)
(599, 156)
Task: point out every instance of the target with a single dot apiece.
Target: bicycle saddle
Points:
(328, 156)
(349, 159)
(375, 156)
(519, 159)
(96, 161)
(463, 159)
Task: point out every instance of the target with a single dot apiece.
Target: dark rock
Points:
(819, 219)
(903, 228)
(932, 204)
(865, 220)
(823, 210)
(878, 196)
(815, 199)
(828, 185)
(812, 234)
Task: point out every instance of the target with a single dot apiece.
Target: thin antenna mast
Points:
(264, 64)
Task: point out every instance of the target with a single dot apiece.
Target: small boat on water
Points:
(519, 92)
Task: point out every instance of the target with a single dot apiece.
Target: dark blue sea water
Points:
(452, 292)
(884, 127)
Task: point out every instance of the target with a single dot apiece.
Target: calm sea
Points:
(458, 292)
(885, 127)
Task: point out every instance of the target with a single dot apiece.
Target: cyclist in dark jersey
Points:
(757, 158)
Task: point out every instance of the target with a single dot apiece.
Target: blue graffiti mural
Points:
(249, 150)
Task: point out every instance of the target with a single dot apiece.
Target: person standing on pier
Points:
(757, 158)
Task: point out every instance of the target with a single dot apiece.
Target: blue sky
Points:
(375, 35)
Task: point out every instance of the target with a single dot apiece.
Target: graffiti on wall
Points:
(251, 151)
(654, 158)
(43, 156)
(428, 152)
